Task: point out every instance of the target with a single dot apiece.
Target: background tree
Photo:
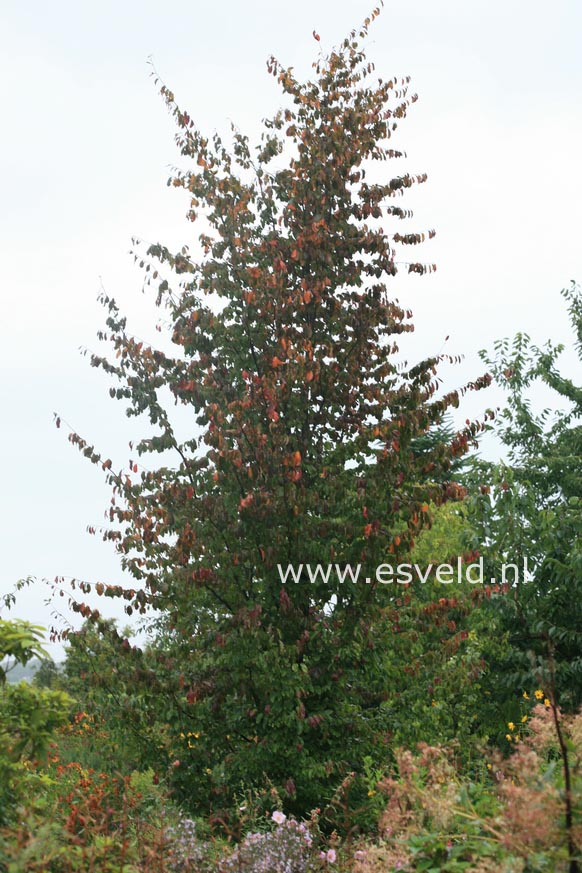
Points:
(533, 510)
(305, 448)
(48, 674)
(29, 716)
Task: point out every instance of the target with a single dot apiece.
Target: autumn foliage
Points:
(303, 446)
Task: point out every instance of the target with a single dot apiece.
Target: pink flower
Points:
(331, 856)
(279, 817)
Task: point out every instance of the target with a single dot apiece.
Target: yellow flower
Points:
(371, 792)
(547, 702)
(489, 766)
(525, 695)
(511, 725)
(523, 719)
(508, 737)
(539, 694)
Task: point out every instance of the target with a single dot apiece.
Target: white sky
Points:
(84, 154)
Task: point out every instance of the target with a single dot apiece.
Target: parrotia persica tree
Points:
(303, 445)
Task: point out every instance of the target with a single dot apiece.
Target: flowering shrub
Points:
(510, 817)
(187, 853)
(289, 848)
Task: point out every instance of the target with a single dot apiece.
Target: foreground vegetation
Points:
(76, 795)
(279, 728)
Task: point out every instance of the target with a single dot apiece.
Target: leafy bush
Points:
(512, 817)
(29, 717)
(288, 848)
(85, 821)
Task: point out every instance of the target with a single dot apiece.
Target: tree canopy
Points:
(310, 437)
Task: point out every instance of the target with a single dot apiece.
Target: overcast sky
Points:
(85, 152)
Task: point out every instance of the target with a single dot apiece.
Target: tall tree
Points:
(533, 512)
(304, 445)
